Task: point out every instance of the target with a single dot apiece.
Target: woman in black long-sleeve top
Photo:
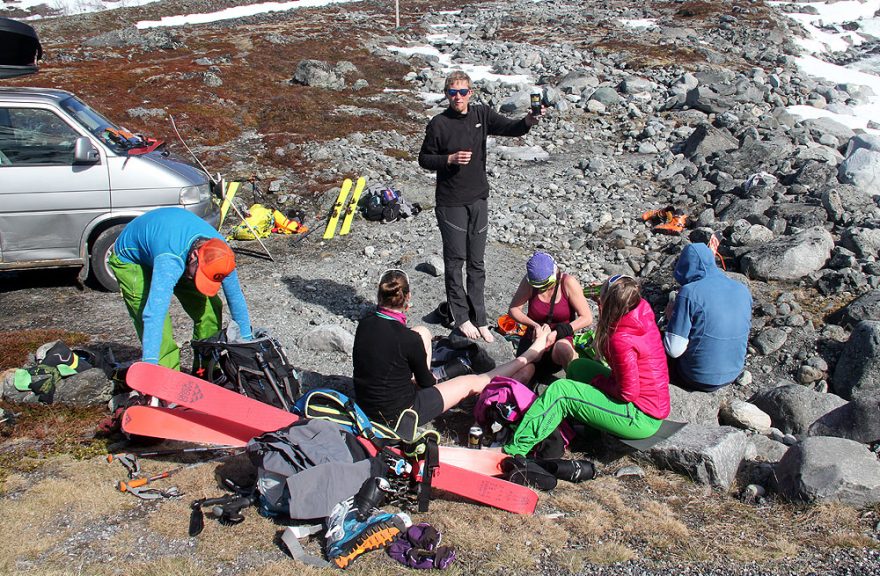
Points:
(392, 367)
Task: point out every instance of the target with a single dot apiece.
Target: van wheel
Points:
(100, 255)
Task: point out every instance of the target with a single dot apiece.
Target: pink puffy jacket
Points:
(638, 363)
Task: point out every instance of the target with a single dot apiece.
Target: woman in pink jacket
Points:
(629, 400)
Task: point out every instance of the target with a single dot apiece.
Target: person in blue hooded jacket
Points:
(709, 323)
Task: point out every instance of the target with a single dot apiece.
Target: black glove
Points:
(563, 330)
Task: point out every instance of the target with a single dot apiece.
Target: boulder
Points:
(730, 208)
(793, 408)
(744, 415)
(606, 95)
(694, 407)
(769, 340)
(858, 370)
(327, 338)
(706, 454)
(857, 420)
(819, 127)
(822, 468)
(865, 307)
(789, 257)
(865, 242)
(707, 140)
(705, 99)
(88, 388)
(767, 449)
(317, 74)
(524, 153)
(861, 168)
(577, 81)
(636, 84)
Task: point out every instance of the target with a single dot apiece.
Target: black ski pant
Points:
(464, 230)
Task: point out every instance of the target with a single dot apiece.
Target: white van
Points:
(70, 179)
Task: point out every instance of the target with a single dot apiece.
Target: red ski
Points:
(185, 425)
(192, 426)
(196, 394)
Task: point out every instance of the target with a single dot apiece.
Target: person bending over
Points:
(169, 251)
(455, 148)
(630, 399)
(391, 361)
(709, 323)
(554, 299)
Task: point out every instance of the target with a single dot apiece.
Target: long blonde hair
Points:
(619, 295)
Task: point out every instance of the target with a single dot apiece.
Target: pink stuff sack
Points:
(504, 390)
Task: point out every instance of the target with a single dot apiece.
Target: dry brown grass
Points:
(610, 553)
(604, 521)
(65, 496)
(644, 56)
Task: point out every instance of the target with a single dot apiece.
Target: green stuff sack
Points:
(583, 343)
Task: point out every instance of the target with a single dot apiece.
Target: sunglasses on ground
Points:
(461, 92)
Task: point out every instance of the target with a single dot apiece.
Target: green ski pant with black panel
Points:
(571, 397)
(134, 285)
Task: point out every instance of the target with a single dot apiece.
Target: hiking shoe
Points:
(659, 214)
(520, 470)
(458, 366)
(441, 315)
(569, 470)
(347, 537)
(675, 224)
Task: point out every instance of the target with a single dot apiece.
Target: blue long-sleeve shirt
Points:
(160, 240)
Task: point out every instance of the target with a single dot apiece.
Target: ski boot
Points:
(356, 526)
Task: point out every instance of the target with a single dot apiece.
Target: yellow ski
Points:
(231, 189)
(352, 206)
(337, 209)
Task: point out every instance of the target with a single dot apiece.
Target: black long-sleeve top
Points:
(450, 132)
(386, 356)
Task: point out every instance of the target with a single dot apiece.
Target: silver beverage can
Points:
(475, 438)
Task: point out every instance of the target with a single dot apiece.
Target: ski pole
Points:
(219, 182)
(131, 455)
(264, 366)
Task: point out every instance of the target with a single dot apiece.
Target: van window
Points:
(35, 136)
(96, 123)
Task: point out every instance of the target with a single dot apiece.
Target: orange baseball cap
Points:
(216, 262)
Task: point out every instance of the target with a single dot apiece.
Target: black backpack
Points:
(258, 368)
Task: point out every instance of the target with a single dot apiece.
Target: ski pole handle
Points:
(137, 483)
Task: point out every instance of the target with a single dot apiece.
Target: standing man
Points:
(709, 323)
(171, 251)
(455, 147)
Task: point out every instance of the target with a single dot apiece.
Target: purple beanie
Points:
(540, 268)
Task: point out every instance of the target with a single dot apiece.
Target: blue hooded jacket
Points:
(713, 313)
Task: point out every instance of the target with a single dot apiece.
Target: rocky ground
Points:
(689, 114)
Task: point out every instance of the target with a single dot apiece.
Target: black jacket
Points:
(450, 132)
(386, 356)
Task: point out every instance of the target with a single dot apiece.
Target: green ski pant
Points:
(571, 397)
(134, 285)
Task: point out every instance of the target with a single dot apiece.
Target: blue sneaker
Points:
(347, 537)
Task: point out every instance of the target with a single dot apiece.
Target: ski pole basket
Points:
(257, 368)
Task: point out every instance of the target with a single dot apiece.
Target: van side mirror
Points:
(84, 152)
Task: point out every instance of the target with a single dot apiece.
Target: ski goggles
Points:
(460, 91)
(611, 282)
(543, 284)
(617, 277)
